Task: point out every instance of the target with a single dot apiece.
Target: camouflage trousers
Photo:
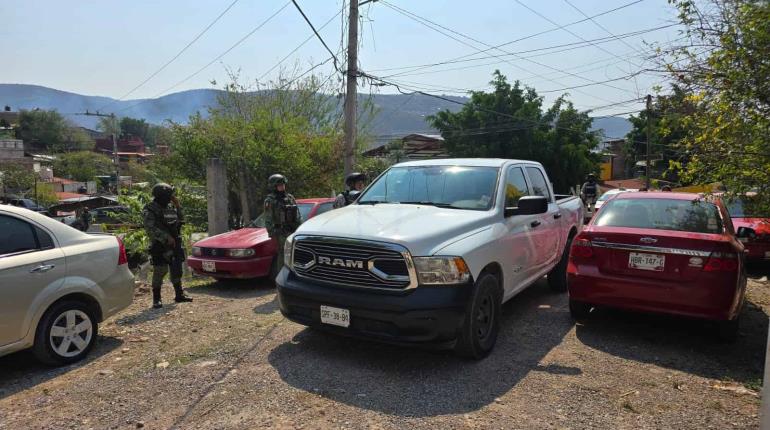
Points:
(160, 267)
(278, 263)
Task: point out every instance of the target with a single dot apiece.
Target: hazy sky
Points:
(106, 48)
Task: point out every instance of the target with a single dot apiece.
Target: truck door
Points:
(518, 242)
(547, 232)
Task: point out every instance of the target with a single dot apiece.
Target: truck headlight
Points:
(288, 252)
(240, 252)
(441, 270)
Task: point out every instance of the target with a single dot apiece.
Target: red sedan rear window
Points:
(661, 214)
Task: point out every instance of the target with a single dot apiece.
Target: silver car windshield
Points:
(456, 187)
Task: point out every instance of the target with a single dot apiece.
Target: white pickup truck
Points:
(429, 252)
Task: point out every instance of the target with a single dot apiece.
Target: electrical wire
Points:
(236, 44)
(178, 54)
(316, 33)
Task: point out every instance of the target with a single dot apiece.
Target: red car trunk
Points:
(652, 263)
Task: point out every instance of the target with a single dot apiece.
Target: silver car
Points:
(56, 285)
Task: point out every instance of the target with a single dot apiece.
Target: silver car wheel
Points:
(71, 333)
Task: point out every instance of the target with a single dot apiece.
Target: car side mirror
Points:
(746, 233)
(529, 205)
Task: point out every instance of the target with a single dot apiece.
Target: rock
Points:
(195, 330)
(734, 388)
(162, 365)
(207, 363)
(106, 372)
(125, 350)
(140, 425)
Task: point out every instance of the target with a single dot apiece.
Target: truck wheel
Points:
(579, 310)
(481, 324)
(557, 278)
(65, 334)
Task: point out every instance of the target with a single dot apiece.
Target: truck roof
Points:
(475, 162)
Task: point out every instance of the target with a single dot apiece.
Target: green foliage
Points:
(728, 139)
(134, 127)
(108, 126)
(82, 166)
(16, 178)
(45, 195)
(292, 130)
(669, 126)
(137, 171)
(48, 130)
(509, 122)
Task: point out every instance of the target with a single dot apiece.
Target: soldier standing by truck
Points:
(589, 192)
(282, 216)
(163, 221)
(355, 184)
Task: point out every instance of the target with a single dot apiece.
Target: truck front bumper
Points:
(424, 315)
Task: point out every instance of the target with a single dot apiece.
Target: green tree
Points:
(292, 129)
(134, 127)
(669, 126)
(82, 166)
(509, 122)
(725, 66)
(16, 178)
(108, 126)
(48, 130)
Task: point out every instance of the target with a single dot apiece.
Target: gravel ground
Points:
(230, 361)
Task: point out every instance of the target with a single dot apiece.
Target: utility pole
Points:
(352, 87)
(649, 133)
(115, 157)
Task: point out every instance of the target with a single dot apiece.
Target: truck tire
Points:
(557, 277)
(66, 333)
(478, 334)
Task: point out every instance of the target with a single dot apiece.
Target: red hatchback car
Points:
(660, 252)
(246, 253)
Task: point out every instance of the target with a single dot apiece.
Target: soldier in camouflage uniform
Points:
(163, 221)
(282, 217)
(355, 184)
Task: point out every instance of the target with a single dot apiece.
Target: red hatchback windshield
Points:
(694, 216)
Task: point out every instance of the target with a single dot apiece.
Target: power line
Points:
(553, 49)
(423, 21)
(236, 44)
(178, 54)
(600, 25)
(316, 33)
(565, 29)
(298, 46)
(452, 60)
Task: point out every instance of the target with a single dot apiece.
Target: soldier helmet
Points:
(162, 191)
(276, 179)
(591, 176)
(354, 177)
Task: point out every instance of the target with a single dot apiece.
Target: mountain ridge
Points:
(397, 113)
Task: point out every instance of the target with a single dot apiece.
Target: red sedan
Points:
(667, 252)
(756, 237)
(248, 252)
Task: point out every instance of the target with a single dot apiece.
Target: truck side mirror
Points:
(529, 205)
(746, 233)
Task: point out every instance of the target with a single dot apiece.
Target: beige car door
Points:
(31, 265)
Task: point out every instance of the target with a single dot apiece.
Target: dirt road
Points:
(230, 361)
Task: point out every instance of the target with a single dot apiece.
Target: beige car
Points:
(56, 285)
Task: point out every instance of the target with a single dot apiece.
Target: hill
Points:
(397, 114)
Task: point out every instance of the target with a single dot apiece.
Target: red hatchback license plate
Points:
(652, 262)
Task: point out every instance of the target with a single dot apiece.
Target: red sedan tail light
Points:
(581, 248)
(122, 257)
(722, 262)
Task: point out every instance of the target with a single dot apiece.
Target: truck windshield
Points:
(456, 187)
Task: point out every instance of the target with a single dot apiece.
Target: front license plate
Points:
(653, 262)
(209, 266)
(335, 316)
